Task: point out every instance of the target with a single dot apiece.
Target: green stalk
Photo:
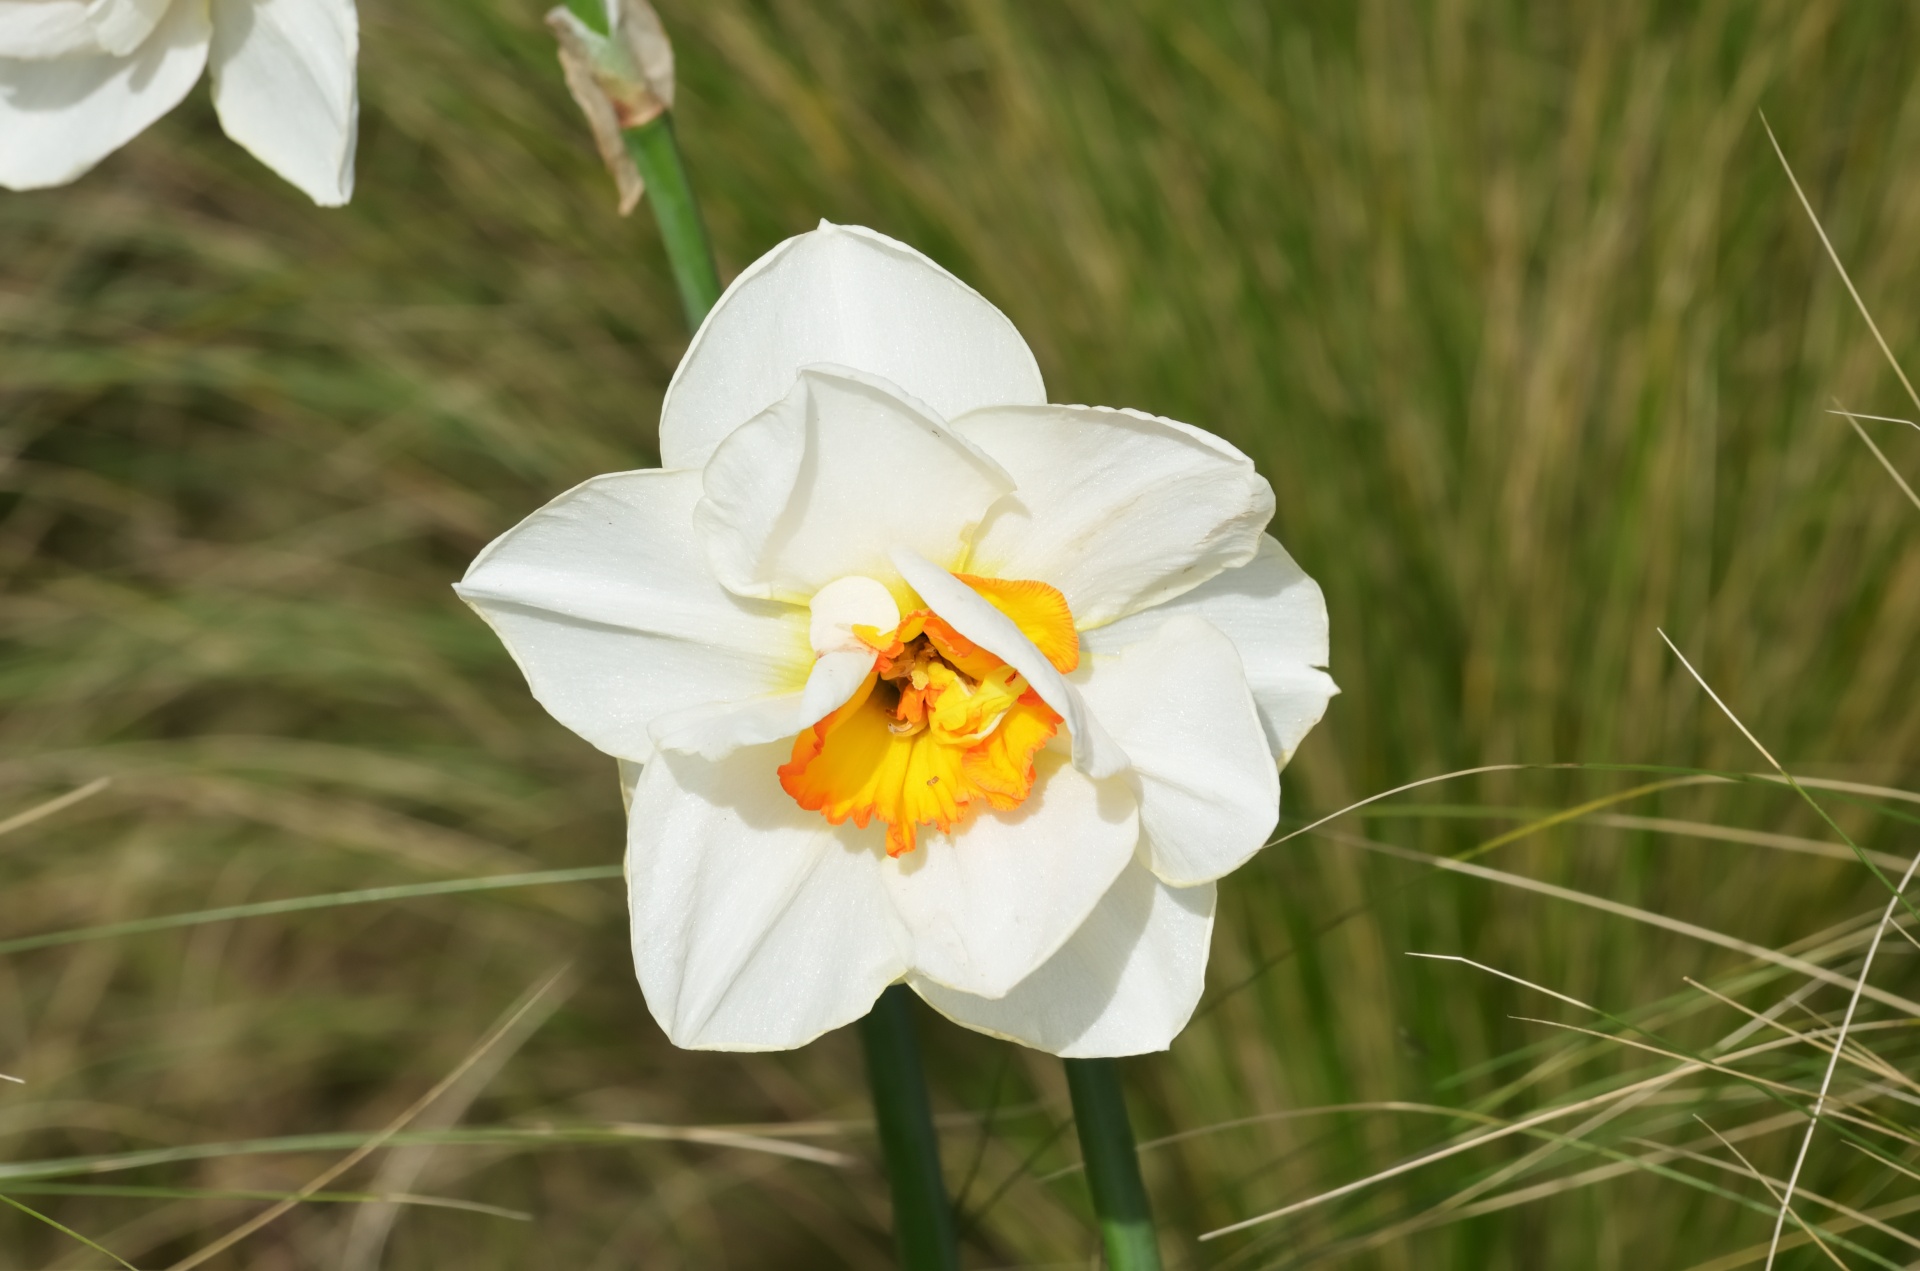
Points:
(1113, 1165)
(922, 1218)
(656, 152)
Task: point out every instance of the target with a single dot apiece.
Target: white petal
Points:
(37, 29)
(820, 485)
(45, 28)
(756, 925)
(1292, 700)
(845, 295)
(605, 601)
(1125, 984)
(629, 776)
(283, 84)
(846, 603)
(714, 730)
(993, 901)
(58, 118)
(1178, 703)
(1094, 750)
(1117, 509)
(1276, 616)
(843, 663)
(121, 26)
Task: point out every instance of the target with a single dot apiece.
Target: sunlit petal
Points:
(33, 29)
(996, 900)
(61, 116)
(605, 600)
(821, 484)
(1117, 509)
(1277, 617)
(283, 84)
(1209, 789)
(1125, 984)
(756, 925)
(848, 296)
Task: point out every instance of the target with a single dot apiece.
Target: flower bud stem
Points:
(656, 152)
(922, 1216)
(1113, 1165)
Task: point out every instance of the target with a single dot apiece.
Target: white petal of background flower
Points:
(1095, 752)
(45, 28)
(849, 296)
(1277, 617)
(1125, 984)
(605, 600)
(121, 26)
(1117, 509)
(995, 900)
(756, 925)
(60, 117)
(1209, 790)
(283, 84)
(822, 484)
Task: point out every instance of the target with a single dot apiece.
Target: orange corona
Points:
(940, 724)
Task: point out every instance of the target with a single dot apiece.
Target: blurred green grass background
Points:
(1513, 305)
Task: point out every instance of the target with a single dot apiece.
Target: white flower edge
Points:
(847, 296)
(758, 926)
(1125, 984)
(1121, 510)
(283, 85)
(604, 599)
(1276, 617)
(59, 116)
(284, 88)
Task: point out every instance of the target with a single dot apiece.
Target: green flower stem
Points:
(922, 1217)
(1113, 1165)
(656, 152)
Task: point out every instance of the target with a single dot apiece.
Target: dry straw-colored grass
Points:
(1511, 302)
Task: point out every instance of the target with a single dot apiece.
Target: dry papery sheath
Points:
(620, 80)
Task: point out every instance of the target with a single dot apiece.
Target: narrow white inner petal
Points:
(1094, 752)
(835, 677)
(846, 603)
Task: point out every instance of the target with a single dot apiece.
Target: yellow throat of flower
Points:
(940, 724)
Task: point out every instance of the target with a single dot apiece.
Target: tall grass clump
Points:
(1514, 306)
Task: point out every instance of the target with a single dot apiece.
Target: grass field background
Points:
(1512, 303)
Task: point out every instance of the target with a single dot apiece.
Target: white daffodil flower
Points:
(81, 78)
(914, 676)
